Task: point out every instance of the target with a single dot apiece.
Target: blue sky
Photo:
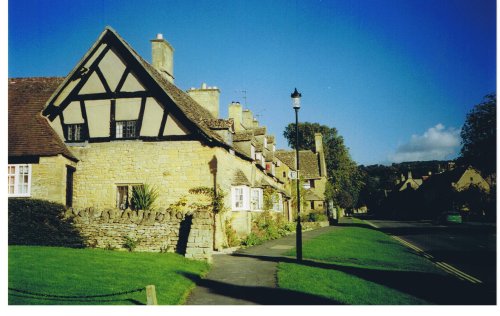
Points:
(395, 77)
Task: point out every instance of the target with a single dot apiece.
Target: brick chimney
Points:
(208, 97)
(163, 57)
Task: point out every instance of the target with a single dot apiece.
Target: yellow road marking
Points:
(443, 265)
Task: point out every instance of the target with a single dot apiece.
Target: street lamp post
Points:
(296, 106)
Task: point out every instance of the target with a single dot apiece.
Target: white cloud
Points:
(437, 143)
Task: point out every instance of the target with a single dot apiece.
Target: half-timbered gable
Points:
(113, 94)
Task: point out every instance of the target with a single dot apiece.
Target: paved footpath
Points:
(249, 276)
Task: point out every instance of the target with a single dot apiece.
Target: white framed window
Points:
(240, 198)
(126, 129)
(19, 180)
(277, 202)
(257, 201)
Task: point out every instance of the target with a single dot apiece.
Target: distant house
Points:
(458, 179)
(312, 173)
(408, 183)
(437, 193)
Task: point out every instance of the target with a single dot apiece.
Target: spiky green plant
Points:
(144, 196)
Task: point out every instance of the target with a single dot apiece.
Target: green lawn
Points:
(88, 272)
(359, 265)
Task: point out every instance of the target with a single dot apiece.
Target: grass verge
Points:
(90, 272)
(359, 265)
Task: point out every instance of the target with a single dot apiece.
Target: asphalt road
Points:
(469, 247)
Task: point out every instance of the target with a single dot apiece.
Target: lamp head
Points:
(296, 99)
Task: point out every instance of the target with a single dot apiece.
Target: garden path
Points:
(249, 276)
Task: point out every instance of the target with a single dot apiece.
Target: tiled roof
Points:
(219, 123)
(259, 130)
(311, 195)
(239, 178)
(193, 111)
(243, 136)
(309, 162)
(242, 148)
(29, 133)
(259, 146)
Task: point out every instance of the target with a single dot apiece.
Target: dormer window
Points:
(74, 132)
(258, 157)
(126, 129)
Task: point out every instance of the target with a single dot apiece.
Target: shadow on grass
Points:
(30, 296)
(258, 294)
(434, 288)
(56, 301)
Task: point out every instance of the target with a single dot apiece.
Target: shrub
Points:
(144, 196)
(252, 240)
(39, 222)
(316, 217)
(130, 243)
(232, 238)
(265, 227)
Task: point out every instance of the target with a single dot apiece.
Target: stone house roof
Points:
(310, 195)
(243, 136)
(450, 179)
(270, 139)
(29, 134)
(239, 178)
(261, 130)
(219, 123)
(309, 162)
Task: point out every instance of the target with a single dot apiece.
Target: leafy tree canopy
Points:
(479, 136)
(342, 171)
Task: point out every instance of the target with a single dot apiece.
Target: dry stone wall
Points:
(153, 231)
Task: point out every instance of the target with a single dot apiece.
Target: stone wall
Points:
(314, 225)
(173, 167)
(154, 231)
(48, 178)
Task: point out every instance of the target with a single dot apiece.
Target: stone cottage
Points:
(116, 123)
(312, 173)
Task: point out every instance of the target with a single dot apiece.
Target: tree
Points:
(342, 171)
(479, 136)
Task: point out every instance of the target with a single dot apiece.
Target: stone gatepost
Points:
(200, 240)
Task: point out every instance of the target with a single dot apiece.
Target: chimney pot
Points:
(159, 36)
